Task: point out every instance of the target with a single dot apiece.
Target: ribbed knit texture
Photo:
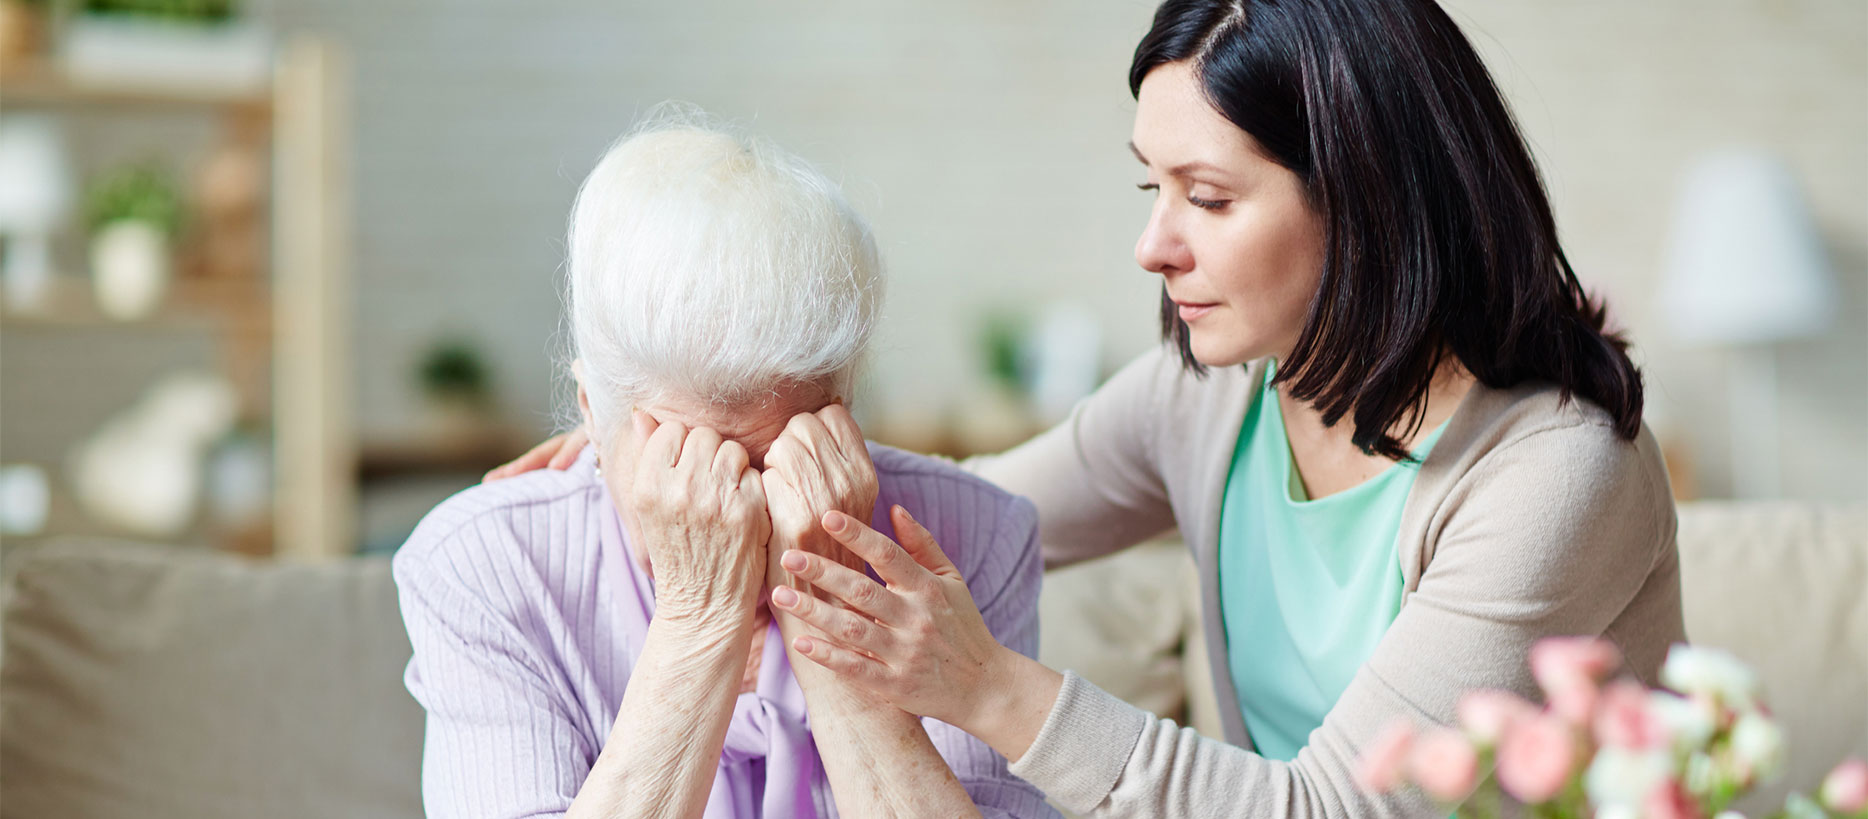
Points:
(512, 602)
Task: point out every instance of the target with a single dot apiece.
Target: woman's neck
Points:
(1327, 458)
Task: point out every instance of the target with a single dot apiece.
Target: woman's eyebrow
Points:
(1182, 169)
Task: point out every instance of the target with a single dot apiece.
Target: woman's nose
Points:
(1160, 248)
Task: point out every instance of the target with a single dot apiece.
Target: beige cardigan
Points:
(1529, 518)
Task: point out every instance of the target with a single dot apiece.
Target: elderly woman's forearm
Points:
(663, 750)
(877, 757)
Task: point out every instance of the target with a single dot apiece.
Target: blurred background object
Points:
(33, 202)
(143, 471)
(134, 214)
(1746, 270)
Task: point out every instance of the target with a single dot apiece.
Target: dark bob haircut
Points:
(1439, 238)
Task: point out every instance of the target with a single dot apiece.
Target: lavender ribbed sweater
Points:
(517, 597)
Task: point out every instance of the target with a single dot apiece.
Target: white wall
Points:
(985, 140)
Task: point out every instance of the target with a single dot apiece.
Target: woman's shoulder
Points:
(1535, 445)
(989, 533)
(1537, 415)
(499, 525)
(916, 480)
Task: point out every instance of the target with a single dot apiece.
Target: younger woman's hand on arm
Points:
(919, 642)
(878, 759)
(699, 512)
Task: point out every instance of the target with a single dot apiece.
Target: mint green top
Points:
(1306, 587)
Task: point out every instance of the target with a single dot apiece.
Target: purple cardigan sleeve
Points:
(500, 741)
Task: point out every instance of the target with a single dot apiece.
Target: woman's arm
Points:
(664, 748)
(700, 511)
(1558, 533)
(878, 758)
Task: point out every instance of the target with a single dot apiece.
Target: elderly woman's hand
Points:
(919, 642)
(818, 464)
(700, 508)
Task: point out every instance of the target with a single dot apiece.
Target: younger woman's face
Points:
(1231, 234)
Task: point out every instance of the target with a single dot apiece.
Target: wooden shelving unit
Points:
(281, 333)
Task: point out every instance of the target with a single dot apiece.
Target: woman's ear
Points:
(583, 397)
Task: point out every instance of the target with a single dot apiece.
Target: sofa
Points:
(160, 682)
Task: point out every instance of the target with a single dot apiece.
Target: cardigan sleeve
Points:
(1095, 477)
(1552, 533)
(500, 741)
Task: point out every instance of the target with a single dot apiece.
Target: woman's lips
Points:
(1190, 312)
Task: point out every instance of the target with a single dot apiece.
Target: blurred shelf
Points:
(243, 305)
(284, 331)
(424, 454)
(43, 83)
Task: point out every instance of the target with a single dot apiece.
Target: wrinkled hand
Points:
(918, 643)
(700, 509)
(818, 464)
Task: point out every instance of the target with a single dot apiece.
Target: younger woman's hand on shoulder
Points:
(557, 452)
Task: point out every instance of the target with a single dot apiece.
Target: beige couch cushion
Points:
(1784, 586)
(1122, 622)
(143, 681)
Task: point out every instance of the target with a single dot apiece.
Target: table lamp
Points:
(34, 197)
(1745, 270)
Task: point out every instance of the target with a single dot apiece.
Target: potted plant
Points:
(458, 384)
(202, 46)
(134, 215)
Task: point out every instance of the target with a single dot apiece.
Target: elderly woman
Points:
(595, 642)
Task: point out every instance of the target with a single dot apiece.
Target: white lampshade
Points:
(1745, 264)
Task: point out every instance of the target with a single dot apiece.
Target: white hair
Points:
(709, 265)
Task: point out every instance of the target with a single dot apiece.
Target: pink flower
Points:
(1627, 719)
(1845, 789)
(1444, 765)
(1379, 769)
(1536, 757)
(1568, 669)
(1487, 715)
(1670, 801)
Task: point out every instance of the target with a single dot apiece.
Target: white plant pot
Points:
(130, 268)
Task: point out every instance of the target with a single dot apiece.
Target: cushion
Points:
(147, 681)
(1780, 585)
(1121, 622)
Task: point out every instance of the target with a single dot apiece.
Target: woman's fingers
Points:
(919, 544)
(875, 548)
(848, 664)
(569, 445)
(851, 588)
(662, 448)
(842, 427)
(843, 625)
(730, 460)
(541, 455)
